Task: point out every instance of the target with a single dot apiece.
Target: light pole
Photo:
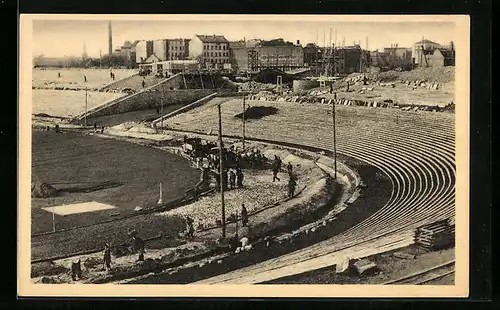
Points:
(243, 118)
(334, 137)
(221, 173)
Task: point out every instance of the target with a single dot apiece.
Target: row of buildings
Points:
(216, 52)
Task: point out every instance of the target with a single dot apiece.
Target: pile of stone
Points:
(422, 83)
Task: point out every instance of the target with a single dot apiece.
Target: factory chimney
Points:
(110, 39)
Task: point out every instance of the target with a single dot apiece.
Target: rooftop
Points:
(425, 41)
(212, 38)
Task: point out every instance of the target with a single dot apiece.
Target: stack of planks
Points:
(437, 235)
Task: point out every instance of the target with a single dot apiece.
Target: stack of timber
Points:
(437, 235)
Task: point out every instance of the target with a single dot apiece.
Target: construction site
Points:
(286, 165)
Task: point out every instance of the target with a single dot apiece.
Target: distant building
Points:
(312, 53)
(128, 53)
(178, 49)
(211, 51)
(254, 55)
(426, 53)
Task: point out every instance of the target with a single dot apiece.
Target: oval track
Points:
(417, 153)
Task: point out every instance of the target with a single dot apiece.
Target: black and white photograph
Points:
(245, 155)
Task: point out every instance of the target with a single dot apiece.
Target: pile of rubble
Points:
(422, 83)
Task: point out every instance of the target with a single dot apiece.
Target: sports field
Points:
(87, 169)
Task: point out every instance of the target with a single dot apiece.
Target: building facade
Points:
(312, 53)
(178, 49)
(143, 49)
(211, 51)
(422, 48)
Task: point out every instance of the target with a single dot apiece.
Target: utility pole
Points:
(243, 118)
(221, 173)
(334, 139)
(53, 220)
(85, 107)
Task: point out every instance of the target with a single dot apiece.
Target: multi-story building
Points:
(312, 53)
(160, 49)
(178, 49)
(212, 51)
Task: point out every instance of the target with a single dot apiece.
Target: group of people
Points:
(292, 179)
(137, 246)
(95, 128)
(232, 178)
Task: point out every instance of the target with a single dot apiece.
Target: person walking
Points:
(276, 167)
(244, 215)
(239, 176)
(232, 179)
(107, 257)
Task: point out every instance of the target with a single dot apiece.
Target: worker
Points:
(239, 177)
(102, 129)
(76, 270)
(276, 167)
(289, 168)
(291, 186)
(224, 179)
(347, 89)
(331, 88)
(95, 127)
(244, 215)
(232, 179)
(85, 78)
(107, 257)
(364, 80)
(59, 74)
(143, 84)
(189, 228)
(138, 245)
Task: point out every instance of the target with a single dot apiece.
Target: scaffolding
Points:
(253, 60)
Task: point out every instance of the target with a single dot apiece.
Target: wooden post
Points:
(334, 140)
(85, 107)
(243, 118)
(221, 173)
(160, 201)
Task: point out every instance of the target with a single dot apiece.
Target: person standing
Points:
(95, 127)
(189, 228)
(291, 186)
(138, 245)
(58, 74)
(239, 176)
(85, 78)
(276, 167)
(143, 84)
(289, 168)
(107, 257)
(232, 179)
(244, 215)
(76, 270)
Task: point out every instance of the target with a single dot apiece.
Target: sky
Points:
(55, 38)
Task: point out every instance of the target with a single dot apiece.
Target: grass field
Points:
(73, 77)
(66, 103)
(64, 160)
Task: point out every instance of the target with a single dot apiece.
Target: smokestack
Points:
(110, 39)
(452, 46)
